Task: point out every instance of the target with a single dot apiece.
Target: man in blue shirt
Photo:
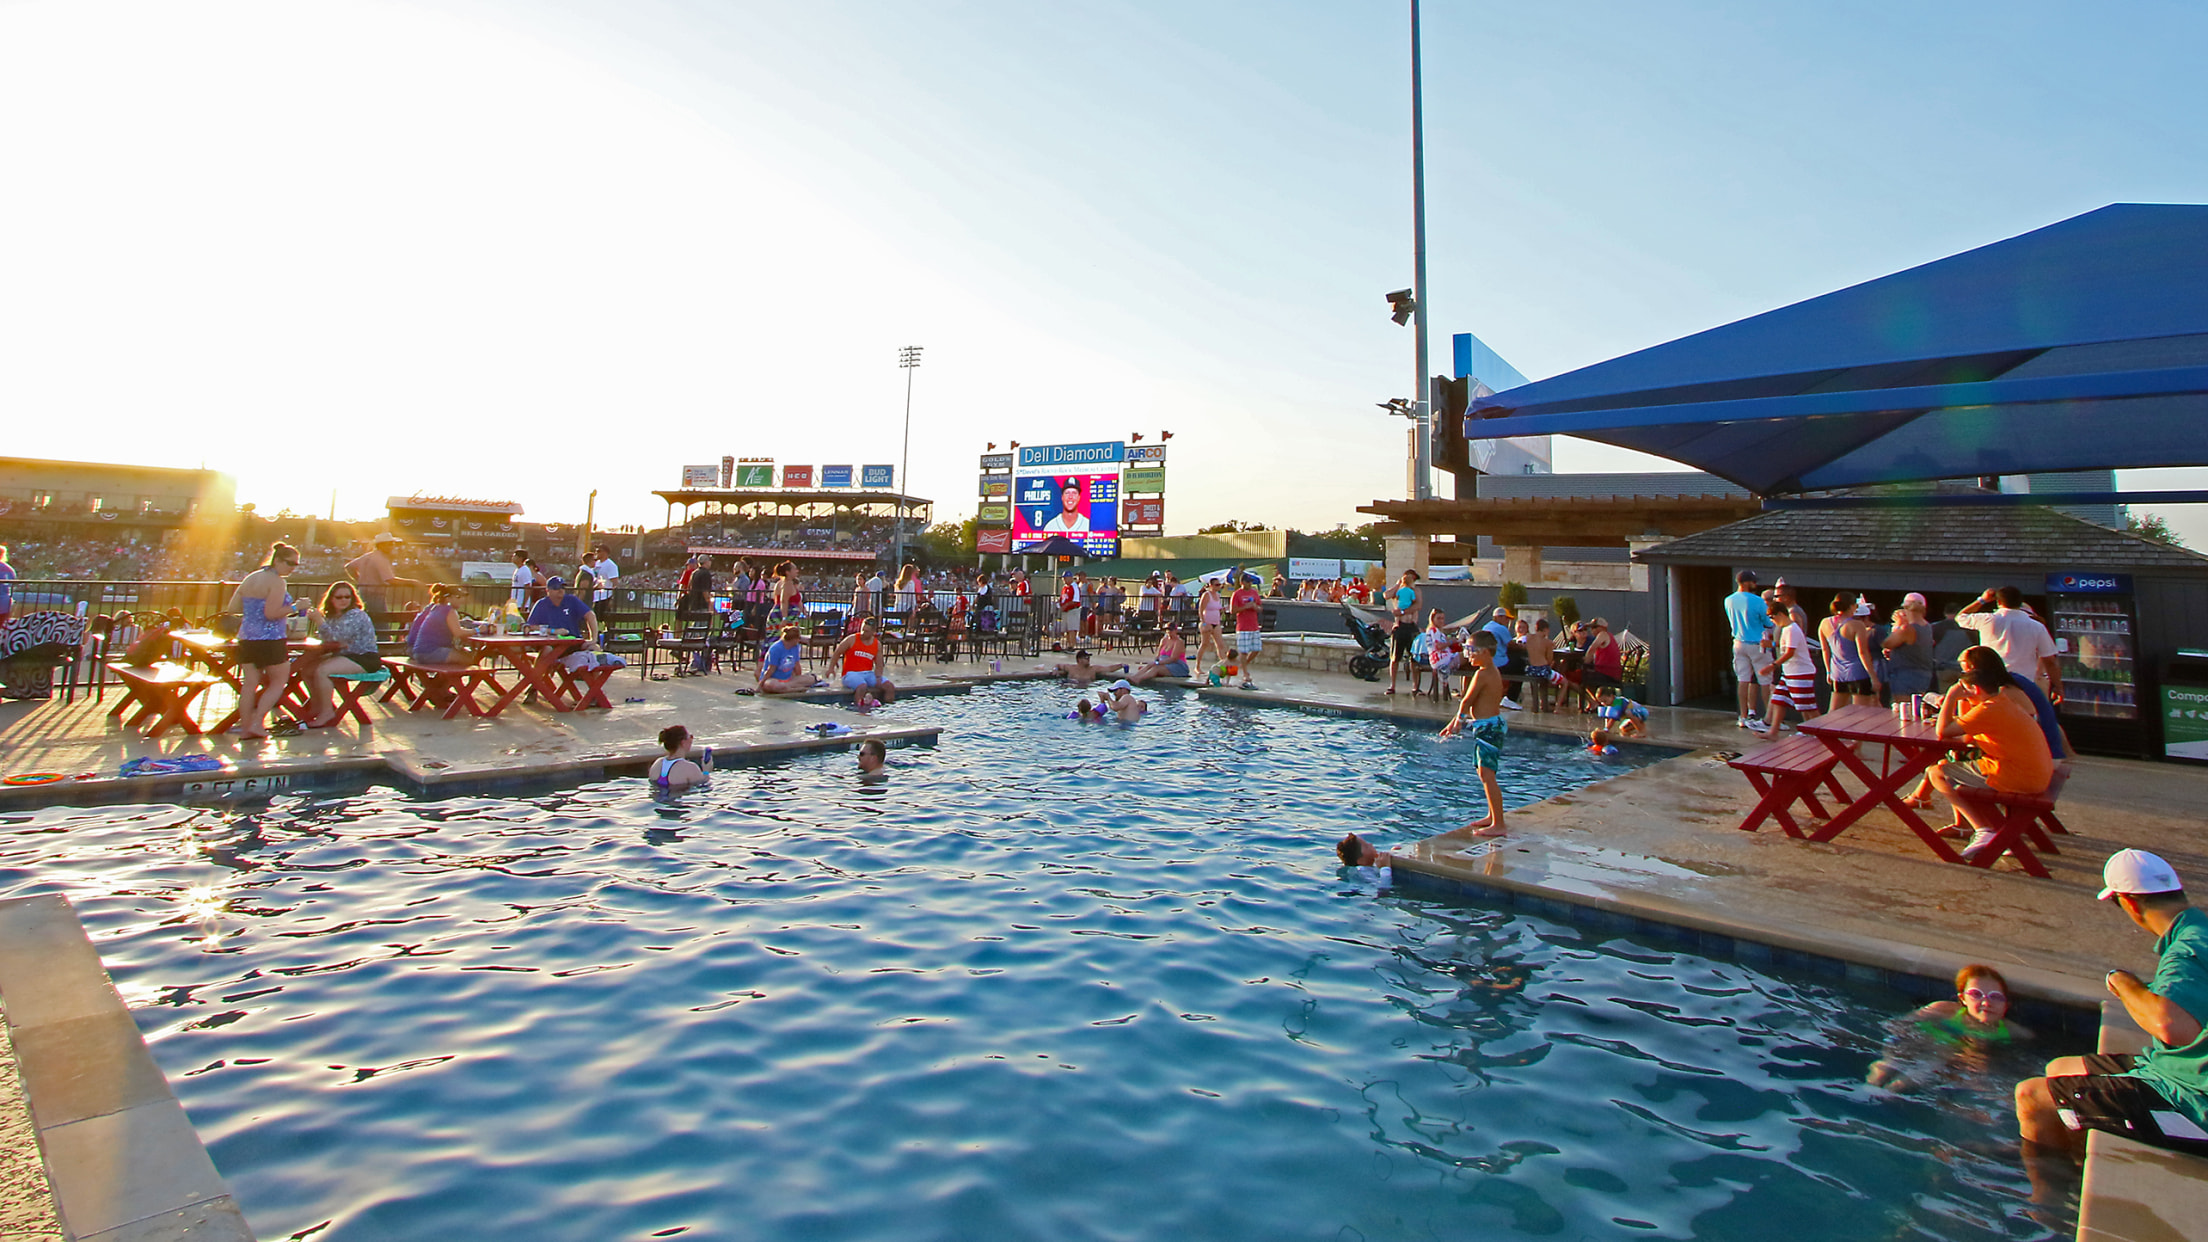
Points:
(562, 613)
(2159, 1097)
(780, 667)
(1746, 613)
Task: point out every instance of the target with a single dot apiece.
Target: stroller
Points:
(1365, 626)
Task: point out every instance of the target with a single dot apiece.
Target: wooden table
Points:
(1910, 749)
(219, 656)
(536, 657)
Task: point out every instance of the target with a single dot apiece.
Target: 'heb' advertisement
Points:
(1082, 507)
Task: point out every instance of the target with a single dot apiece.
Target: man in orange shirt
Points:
(1986, 711)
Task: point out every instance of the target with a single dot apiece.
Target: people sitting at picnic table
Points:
(264, 660)
(1171, 660)
(677, 769)
(438, 634)
(562, 611)
(1949, 1032)
(782, 665)
(348, 636)
(1987, 711)
(860, 655)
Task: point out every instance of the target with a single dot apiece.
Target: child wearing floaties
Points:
(1629, 718)
(1087, 712)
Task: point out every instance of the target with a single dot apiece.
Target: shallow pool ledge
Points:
(121, 1157)
(2133, 1192)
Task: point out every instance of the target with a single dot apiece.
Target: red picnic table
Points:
(536, 658)
(219, 656)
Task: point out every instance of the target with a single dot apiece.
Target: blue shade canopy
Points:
(2079, 346)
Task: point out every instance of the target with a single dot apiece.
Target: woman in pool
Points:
(676, 769)
(1951, 1032)
(1171, 660)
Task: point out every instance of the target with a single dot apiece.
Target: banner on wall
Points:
(1072, 458)
(996, 461)
(1143, 480)
(1152, 453)
(996, 487)
(1142, 513)
(755, 474)
(997, 540)
(700, 476)
(728, 471)
(1303, 568)
(996, 515)
(797, 476)
(877, 476)
(835, 476)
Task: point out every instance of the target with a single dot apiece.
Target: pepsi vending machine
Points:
(2096, 635)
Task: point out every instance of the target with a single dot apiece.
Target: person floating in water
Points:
(872, 756)
(1948, 1030)
(677, 769)
(1089, 713)
(1376, 865)
(1483, 700)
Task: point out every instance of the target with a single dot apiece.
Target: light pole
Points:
(1421, 393)
(908, 358)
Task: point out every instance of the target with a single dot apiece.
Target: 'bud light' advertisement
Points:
(1082, 507)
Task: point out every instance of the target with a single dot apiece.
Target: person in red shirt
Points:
(1249, 639)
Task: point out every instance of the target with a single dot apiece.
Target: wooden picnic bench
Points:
(163, 695)
(351, 688)
(2017, 831)
(417, 685)
(1785, 772)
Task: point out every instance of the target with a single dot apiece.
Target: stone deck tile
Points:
(1666, 836)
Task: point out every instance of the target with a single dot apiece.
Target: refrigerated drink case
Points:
(2095, 632)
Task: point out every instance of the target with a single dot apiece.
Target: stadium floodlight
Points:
(908, 358)
(1403, 306)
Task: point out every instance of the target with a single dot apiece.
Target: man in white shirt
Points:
(524, 578)
(2016, 636)
(601, 599)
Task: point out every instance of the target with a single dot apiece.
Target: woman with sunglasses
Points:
(347, 628)
(1976, 1019)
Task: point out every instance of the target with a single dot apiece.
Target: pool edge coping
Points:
(101, 1104)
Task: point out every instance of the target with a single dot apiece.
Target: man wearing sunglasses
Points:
(2159, 1097)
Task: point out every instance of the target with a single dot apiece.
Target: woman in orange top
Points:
(1987, 711)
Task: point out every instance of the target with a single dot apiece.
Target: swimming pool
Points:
(1045, 981)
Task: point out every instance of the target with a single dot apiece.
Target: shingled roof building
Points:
(1950, 554)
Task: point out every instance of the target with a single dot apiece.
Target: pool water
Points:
(1046, 980)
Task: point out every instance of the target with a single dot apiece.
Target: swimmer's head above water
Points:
(872, 755)
(1355, 851)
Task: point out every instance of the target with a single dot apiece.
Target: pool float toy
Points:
(33, 778)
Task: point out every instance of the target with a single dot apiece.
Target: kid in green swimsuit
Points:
(1975, 1020)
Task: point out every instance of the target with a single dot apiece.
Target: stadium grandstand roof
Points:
(799, 496)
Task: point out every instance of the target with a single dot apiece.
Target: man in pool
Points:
(1082, 671)
(1483, 701)
(872, 755)
(2159, 1097)
(1124, 704)
(781, 666)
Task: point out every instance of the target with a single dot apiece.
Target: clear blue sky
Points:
(659, 232)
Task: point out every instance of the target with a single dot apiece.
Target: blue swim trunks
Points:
(1487, 741)
(857, 678)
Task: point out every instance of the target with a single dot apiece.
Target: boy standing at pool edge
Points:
(1483, 699)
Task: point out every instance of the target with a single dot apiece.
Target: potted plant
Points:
(1512, 596)
(1566, 611)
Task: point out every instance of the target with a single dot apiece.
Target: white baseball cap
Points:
(2138, 872)
(1122, 684)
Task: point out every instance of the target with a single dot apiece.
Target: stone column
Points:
(1522, 564)
(1407, 552)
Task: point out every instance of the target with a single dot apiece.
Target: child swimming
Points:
(1944, 1032)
